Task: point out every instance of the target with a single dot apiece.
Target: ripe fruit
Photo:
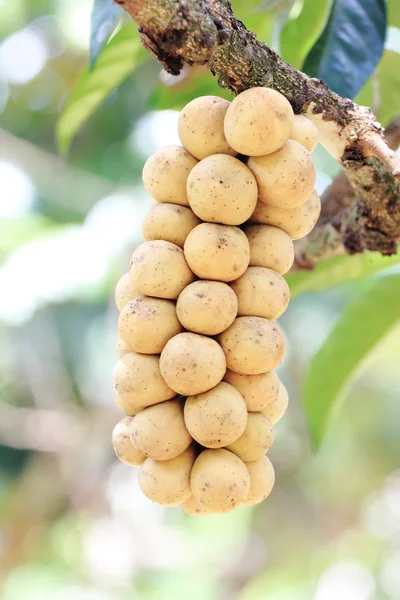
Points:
(256, 439)
(275, 410)
(262, 479)
(123, 447)
(270, 247)
(207, 307)
(201, 127)
(219, 480)
(217, 417)
(193, 508)
(305, 132)
(258, 121)
(165, 174)
(122, 347)
(217, 252)
(169, 222)
(124, 292)
(261, 292)
(221, 189)
(258, 391)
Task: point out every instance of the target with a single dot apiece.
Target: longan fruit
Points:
(285, 178)
(258, 391)
(207, 307)
(258, 121)
(138, 383)
(201, 127)
(146, 324)
(305, 132)
(219, 480)
(296, 222)
(169, 222)
(217, 252)
(193, 508)
(124, 292)
(221, 189)
(262, 479)
(159, 269)
(217, 417)
(275, 409)
(252, 345)
(159, 431)
(191, 363)
(123, 447)
(270, 247)
(256, 439)
(167, 482)
(122, 347)
(261, 292)
(165, 174)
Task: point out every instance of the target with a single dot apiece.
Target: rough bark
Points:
(187, 32)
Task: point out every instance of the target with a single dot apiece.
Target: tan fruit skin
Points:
(169, 222)
(123, 447)
(270, 247)
(262, 479)
(256, 439)
(261, 292)
(258, 391)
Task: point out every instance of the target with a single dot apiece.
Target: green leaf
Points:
(339, 270)
(393, 13)
(118, 59)
(362, 325)
(104, 19)
(300, 33)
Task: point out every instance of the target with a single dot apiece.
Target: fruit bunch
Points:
(198, 342)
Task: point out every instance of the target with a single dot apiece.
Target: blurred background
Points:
(73, 523)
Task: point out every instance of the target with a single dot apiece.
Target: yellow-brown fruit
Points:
(221, 189)
(305, 132)
(146, 324)
(167, 482)
(169, 222)
(201, 127)
(256, 439)
(258, 121)
(122, 347)
(261, 292)
(275, 410)
(262, 479)
(258, 391)
(252, 345)
(123, 447)
(159, 431)
(270, 247)
(285, 178)
(159, 269)
(296, 222)
(165, 174)
(193, 508)
(124, 292)
(217, 417)
(207, 307)
(191, 363)
(138, 383)
(217, 252)
(219, 480)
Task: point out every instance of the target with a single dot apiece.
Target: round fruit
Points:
(219, 480)
(123, 447)
(159, 431)
(270, 247)
(159, 269)
(285, 178)
(217, 417)
(201, 127)
(207, 307)
(124, 292)
(261, 292)
(305, 132)
(167, 482)
(221, 189)
(122, 347)
(258, 391)
(217, 252)
(252, 345)
(262, 479)
(275, 410)
(169, 222)
(192, 364)
(146, 324)
(296, 222)
(258, 121)
(138, 383)
(256, 439)
(193, 508)
(165, 174)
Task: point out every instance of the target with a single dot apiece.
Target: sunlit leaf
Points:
(105, 16)
(362, 325)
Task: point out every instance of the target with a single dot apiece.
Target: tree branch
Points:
(183, 32)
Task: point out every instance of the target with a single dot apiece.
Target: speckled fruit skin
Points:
(262, 479)
(123, 447)
(305, 132)
(256, 439)
(270, 247)
(261, 292)
(275, 409)
(258, 391)
(169, 222)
